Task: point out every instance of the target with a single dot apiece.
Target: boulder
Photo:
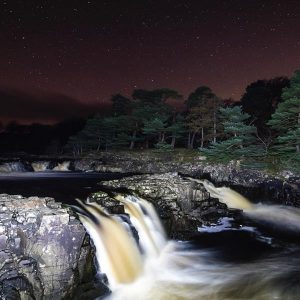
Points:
(41, 249)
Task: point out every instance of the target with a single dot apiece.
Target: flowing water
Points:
(63, 186)
(155, 268)
(257, 258)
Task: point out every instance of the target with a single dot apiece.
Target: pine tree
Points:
(286, 120)
(176, 129)
(197, 120)
(203, 107)
(241, 141)
(156, 127)
(121, 105)
(151, 113)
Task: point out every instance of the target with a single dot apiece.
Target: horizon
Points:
(52, 114)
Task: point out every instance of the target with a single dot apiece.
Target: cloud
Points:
(41, 107)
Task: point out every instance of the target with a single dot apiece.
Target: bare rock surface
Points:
(183, 205)
(41, 253)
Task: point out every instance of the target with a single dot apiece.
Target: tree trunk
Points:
(192, 140)
(202, 137)
(132, 143)
(298, 145)
(173, 141)
(189, 141)
(98, 146)
(215, 127)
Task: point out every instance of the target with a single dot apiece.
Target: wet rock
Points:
(41, 166)
(63, 166)
(111, 205)
(280, 188)
(40, 249)
(183, 205)
(88, 165)
(16, 166)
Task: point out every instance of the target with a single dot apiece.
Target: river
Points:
(230, 260)
(63, 186)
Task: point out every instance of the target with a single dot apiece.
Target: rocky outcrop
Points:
(16, 166)
(183, 205)
(280, 188)
(42, 250)
(41, 166)
(21, 166)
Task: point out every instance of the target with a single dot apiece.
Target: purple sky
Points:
(89, 50)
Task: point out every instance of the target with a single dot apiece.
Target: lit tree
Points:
(176, 129)
(197, 120)
(241, 140)
(151, 112)
(286, 120)
(203, 107)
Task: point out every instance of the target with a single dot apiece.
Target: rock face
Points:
(183, 205)
(282, 188)
(16, 166)
(41, 253)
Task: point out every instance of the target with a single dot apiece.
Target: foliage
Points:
(200, 95)
(261, 99)
(240, 142)
(163, 147)
(286, 121)
(176, 129)
(120, 105)
(202, 115)
(148, 120)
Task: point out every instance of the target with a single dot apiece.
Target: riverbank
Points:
(183, 204)
(281, 186)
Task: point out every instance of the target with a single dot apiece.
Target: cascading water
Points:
(158, 269)
(64, 166)
(283, 218)
(40, 166)
(12, 167)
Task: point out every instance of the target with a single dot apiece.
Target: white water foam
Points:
(171, 270)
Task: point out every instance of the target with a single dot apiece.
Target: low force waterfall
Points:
(150, 267)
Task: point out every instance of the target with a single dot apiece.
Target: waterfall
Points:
(40, 166)
(12, 167)
(64, 166)
(154, 268)
(226, 195)
(278, 217)
(116, 252)
(147, 223)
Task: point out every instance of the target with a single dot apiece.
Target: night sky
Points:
(56, 56)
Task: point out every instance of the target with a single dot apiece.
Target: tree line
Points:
(263, 124)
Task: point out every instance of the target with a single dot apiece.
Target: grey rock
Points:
(183, 205)
(40, 249)
(281, 188)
